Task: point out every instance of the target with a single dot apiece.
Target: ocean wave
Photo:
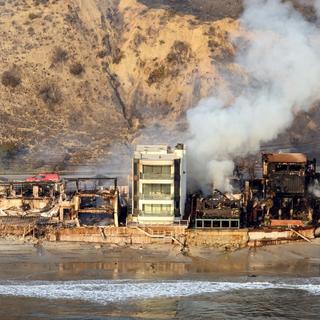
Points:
(106, 291)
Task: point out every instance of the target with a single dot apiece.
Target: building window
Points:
(157, 209)
(156, 189)
(156, 172)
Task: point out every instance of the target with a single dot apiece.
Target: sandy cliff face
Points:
(64, 100)
(92, 73)
(168, 61)
(80, 76)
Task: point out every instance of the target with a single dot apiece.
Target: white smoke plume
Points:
(315, 189)
(282, 61)
(316, 5)
(312, 3)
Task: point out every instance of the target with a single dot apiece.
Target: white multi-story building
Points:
(159, 184)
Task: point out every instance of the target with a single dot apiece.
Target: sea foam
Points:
(106, 291)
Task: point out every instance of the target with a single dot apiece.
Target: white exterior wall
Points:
(159, 156)
(183, 179)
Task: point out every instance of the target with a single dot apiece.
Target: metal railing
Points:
(155, 214)
(161, 196)
(156, 176)
(181, 222)
(217, 223)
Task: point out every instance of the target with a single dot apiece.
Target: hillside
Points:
(82, 79)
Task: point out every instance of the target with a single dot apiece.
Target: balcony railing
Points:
(161, 196)
(155, 214)
(156, 176)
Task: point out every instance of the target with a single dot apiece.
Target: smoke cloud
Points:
(311, 3)
(281, 59)
(316, 5)
(315, 189)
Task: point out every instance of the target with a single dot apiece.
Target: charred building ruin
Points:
(287, 178)
(91, 201)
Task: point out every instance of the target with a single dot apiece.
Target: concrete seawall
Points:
(218, 238)
(239, 238)
(215, 238)
(265, 237)
(120, 236)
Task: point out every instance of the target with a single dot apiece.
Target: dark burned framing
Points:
(33, 183)
(21, 186)
(78, 180)
(93, 202)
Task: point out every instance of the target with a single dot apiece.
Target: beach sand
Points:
(25, 260)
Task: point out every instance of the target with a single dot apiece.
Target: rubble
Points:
(45, 201)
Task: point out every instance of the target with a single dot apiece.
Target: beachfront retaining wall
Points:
(257, 237)
(110, 235)
(226, 238)
(124, 235)
(217, 238)
(114, 235)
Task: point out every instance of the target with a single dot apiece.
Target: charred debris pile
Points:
(286, 195)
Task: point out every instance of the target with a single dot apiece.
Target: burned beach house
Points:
(218, 210)
(158, 184)
(281, 196)
(287, 178)
(91, 201)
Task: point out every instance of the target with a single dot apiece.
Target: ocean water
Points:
(241, 298)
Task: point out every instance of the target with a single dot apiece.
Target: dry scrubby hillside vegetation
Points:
(80, 79)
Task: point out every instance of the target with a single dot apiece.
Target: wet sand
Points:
(67, 261)
(157, 282)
